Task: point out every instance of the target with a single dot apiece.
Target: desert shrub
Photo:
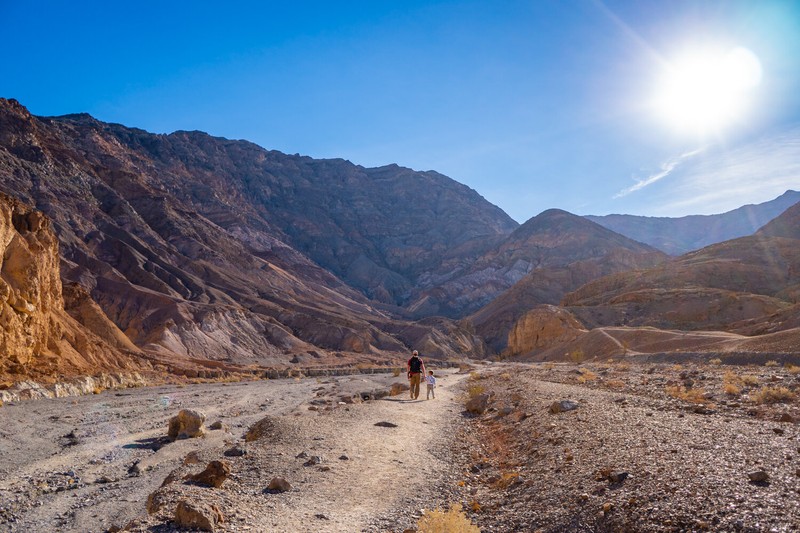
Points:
(549, 366)
(452, 521)
(773, 395)
(772, 363)
(749, 380)
(97, 389)
(577, 356)
(716, 361)
(475, 390)
(505, 376)
(731, 389)
(1, 404)
(687, 395)
(677, 367)
(792, 369)
(586, 376)
(622, 367)
(616, 384)
(396, 371)
(474, 376)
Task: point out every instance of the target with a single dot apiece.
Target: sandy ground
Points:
(89, 463)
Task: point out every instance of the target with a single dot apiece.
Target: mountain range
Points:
(676, 236)
(198, 255)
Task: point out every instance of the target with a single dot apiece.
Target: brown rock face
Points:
(543, 328)
(37, 337)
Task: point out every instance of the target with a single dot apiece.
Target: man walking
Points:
(416, 369)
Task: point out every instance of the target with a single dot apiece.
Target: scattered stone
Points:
(386, 424)
(197, 515)
(279, 484)
(778, 431)
(301, 455)
(344, 458)
(786, 417)
(563, 406)
(398, 388)
(134, 469)
(236, 451)
(192, 458)
(324, 469)
(187, 424)
(313, 460)
(607, 507)
(477, 404)
(217, 425)
(321, 516)
(759, 476)
(618, 477)
(214, 475)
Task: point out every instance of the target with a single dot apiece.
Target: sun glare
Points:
(704, 92)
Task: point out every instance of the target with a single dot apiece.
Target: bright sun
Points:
(703, 92)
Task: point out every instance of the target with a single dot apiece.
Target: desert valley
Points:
(609, 373)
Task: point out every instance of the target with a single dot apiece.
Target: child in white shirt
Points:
(431, 381)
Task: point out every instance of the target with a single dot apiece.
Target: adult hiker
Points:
(416, 369)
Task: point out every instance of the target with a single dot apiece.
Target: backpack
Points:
(416, 364)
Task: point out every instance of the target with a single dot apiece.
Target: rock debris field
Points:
(541, 447)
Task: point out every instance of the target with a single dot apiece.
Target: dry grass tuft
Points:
(687, 395)
(792, 369)
(586, 376)
(577, 356)
(396, 371)
(452, 521)
(549, 366)
(97, 389)
(731, 389)
(616, 384)
(749, 380)
(622, 367)
(474, 376)
(773, 395)
(772, 363)
(475, 390)
(716, 362)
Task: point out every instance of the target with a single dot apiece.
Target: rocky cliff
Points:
(37, 336)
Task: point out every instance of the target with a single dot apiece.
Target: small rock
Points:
(313, 460)
(236, 451)
(186, 425)
(563, 406)
(477, 404)
(321, 516)
(192, 458)
(279, 484)
(217, 425)
(786, 417)
(197, 515)
(607, 507)
(386, 424)
(134, 469)
(214, 475)
(778, 431)
(344, 458)
(759, 476)
(301, 455)
(618, 477)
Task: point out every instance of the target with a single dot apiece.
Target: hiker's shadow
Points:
(402, 400)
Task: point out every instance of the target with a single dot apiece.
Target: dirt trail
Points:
(89, 463)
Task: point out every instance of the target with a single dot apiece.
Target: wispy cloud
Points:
(666, 169)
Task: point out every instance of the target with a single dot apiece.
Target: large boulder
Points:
(186, 425)
(214, 475)
(194, 515)
(477, 404)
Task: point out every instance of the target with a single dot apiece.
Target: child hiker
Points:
(431, 381)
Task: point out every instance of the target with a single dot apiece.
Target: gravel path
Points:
(89, 463)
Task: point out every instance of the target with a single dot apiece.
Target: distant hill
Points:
(723, 286)
(555, 252)
(677, 236)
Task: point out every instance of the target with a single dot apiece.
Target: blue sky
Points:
(535, 104)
